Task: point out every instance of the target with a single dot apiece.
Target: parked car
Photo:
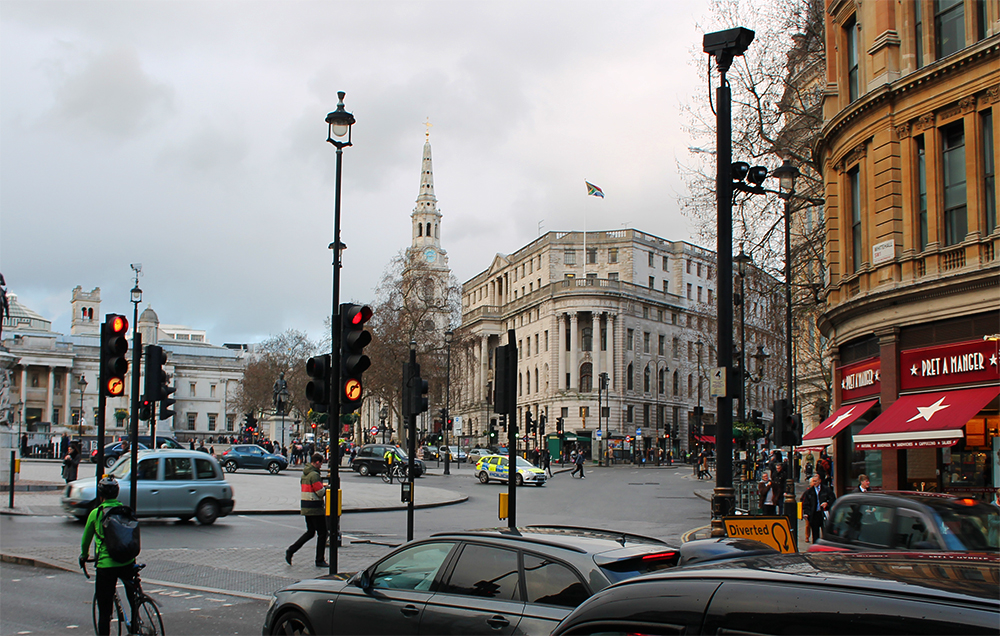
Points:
(112, 452)
(370, 460)
(474, 455)
(495, 467)
(160, 441)
(252, 456)
(909, 521)
(809, 593)
(170, 483)
(490, 581)
(456, 454)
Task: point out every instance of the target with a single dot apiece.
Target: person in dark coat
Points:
(816, 502)
(71, 463)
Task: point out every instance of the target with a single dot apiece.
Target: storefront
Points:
(940, 433)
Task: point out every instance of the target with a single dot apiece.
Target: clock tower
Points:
(425, 256)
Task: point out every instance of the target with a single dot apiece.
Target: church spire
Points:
(426, 218)
(426, 201)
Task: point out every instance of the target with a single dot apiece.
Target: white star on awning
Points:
(927, 412)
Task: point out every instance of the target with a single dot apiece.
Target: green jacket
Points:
(313, 501)
(94, 531)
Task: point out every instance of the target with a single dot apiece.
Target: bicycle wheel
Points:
(117, 617)
(149, 622)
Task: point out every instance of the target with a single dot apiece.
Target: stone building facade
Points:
(43, 381)
(909, 152)
(624, 303)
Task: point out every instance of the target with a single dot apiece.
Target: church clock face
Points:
(430, 254)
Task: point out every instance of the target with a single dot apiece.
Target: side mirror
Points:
(364, 580)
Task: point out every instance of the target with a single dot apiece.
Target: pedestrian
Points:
(816, 502)
(797, 468)
(864, 484)
(824, 468)
(547, 462)
(24, 445)
(201, 447)
(578, 465)
(313, 509)
(192, 443)
(211, 451)
(779, 482)
(71, 462)
(765, 493)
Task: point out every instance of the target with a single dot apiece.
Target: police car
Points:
(496, 466)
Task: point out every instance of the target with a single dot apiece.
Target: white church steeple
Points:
(426, 219)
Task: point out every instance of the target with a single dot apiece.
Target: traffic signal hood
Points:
(114, 346)
(415, 390)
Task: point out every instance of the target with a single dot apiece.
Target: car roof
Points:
(939, 574)
(934, 500)
(572, 538)
(175, 452)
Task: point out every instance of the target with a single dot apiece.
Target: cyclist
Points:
(109, 571)
(390, 459)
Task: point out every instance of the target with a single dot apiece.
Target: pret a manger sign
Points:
(970, 362)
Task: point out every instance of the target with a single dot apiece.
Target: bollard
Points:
(13, 467)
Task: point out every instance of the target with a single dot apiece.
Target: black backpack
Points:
(120, 530)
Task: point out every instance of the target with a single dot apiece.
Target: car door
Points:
(148, 487)
(551, 590)
(499, 470)
(390, 596)
(178, 491)
(255, 457)
(481, 594)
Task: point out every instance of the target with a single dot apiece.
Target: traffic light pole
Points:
(411, 438)
(511, 410)
(102, 404)
(333, 416)
(134, 435)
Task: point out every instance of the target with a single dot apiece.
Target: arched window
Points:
(690, 385)
(588, 339)
(676, 384)
(527, 382)
(428, 229)
(546, 369)
(420, 229)
(586, 377)
(90, 313)
(661, 381)
(536, 379)
(645, 379)
(520, 385)
(628, 377)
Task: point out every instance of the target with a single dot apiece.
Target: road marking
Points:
(216, 600)
(195, 609)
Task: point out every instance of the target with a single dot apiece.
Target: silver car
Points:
(171, 483)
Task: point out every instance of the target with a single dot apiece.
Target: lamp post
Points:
(383, 414)
(742, 260)
(339, 124)
(661, 383)
(602, 385)
(82, 384)
(136, 298)
(786, 175)
(447, 403)
(281, 396)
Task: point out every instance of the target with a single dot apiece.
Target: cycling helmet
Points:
(107, 488)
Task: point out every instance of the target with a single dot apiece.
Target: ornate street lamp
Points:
(339, 124)
(742, 261)
(82, 384)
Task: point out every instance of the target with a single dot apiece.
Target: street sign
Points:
(717, 383)
(772, 531)
(598, 433)
(638, 431)
(373, 430)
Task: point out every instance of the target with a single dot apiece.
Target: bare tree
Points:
(285, 353)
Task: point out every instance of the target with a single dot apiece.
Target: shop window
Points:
(949, 26)
(953, 167)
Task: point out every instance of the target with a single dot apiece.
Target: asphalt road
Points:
(245, 553)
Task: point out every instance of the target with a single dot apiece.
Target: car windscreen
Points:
(523, 463)
(969, 527)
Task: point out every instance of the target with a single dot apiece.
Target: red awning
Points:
(708, 439)
(823, 435)
(925, 419)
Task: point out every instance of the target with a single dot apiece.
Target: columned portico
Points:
(574, 351)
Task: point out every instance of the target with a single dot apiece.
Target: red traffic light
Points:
(359, 315)
(119, 324)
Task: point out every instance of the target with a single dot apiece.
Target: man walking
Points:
(816, 501)
(313, 509)
(578, 465)
(863, 484)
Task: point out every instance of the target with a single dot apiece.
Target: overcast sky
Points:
(189, 136)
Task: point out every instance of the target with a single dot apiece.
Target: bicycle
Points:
(395, 470)
(147, 620)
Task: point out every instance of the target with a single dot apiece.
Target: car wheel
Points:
(110, 461)
(518, 480)
(207, 512)
(363, 470)
(484, 478)
(273, 468)
(292, 622)
(230, 466)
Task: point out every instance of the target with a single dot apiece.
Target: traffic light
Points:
(559, 427)
(501, 388)
(318, 388)
(155, 357)
(353, 361)
(414, 390)
(780, 424)
(114, 346)
(145, 409)
(529, 424)
(541, 423)
(493, 433)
